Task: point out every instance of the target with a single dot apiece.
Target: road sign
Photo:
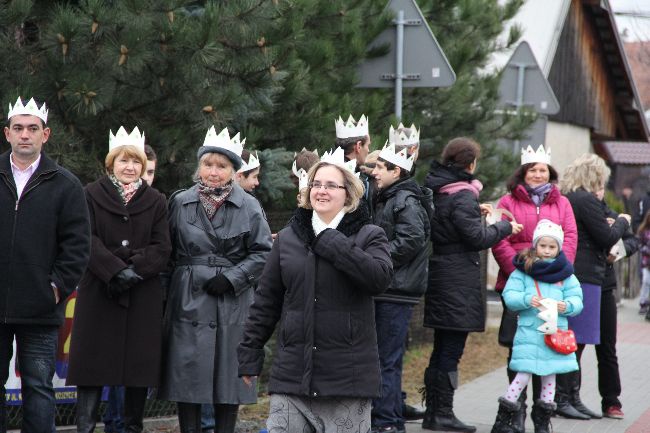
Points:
(424, 62)
(524, 85)
(415, 59)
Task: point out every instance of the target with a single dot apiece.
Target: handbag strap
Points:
(537, 287)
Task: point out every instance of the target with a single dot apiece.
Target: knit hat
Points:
(550, 229)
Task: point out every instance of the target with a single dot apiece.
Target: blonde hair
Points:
(589, 172)
(129, 151)
(197, 178)
(353, 188)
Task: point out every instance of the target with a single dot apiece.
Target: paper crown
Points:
(253, 163)
(30, 109)
(529, 156)
(400, 159)
(123, 138)
(548, 228)
(351, 128)
(337, 157)
(303, 180)
(399, 137)
(223, 140)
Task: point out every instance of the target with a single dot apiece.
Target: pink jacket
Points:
(555, 207)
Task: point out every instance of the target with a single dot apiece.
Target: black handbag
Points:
(508, 327)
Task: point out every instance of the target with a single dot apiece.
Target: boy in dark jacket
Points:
(400, 212)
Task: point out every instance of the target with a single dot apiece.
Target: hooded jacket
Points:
(398, 210)
(555, 208)
(44, 239)
(321, 291)
(455, 299)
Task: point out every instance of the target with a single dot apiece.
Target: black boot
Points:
(189, 417)
(135, 399)
(541, 416)
(507, 412)
(573, 380)
(428, 397)
(88, 398)
(225, 417)
(443, 415)
(411, 413)
(562, 399)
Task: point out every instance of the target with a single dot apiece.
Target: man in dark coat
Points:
(44, 249)
(399, 211)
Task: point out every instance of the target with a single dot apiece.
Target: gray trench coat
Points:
(201, 331)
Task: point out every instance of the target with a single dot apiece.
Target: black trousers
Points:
(609, 379)
(448, 348)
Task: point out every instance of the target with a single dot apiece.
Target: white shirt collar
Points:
(31, 168)
(319, 225)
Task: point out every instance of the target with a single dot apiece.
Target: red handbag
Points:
(562, 341)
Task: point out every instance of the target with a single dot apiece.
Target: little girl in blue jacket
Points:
(546, 265)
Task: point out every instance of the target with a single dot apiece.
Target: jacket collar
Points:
(349, 225)
(521, 194)
(46, 164)
(106, 196)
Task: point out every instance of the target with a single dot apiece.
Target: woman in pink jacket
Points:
(533, 196)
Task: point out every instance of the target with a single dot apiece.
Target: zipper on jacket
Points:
(537, 210)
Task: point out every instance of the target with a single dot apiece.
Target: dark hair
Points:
(347, 144)
(460, 152)
(519, 175)
(151, 154)
(403, 173)
(645, 224)
(246, 157)
(306, 159)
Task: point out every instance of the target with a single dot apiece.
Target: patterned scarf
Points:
(539, 193)
(126, 191)
(213, 198)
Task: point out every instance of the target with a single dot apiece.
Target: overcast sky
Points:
(637, 27)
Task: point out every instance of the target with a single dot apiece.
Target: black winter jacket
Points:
(321, 290)
(595, 236)
(399, 212)
(44, 239)
(455, 299)
(631, 243)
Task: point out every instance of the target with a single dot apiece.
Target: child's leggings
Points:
(521, 380)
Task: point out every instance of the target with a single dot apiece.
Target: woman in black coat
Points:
(319, 282)
(583, 184)
(117, 333)
(454, 301)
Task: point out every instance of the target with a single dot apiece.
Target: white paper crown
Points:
(529, 156)
(351, 128)
(224, 141)
(337, 157)
(123, 138)
(253, 163)
(399, 137)
(303, 180)
(31, 109)
(400, 159)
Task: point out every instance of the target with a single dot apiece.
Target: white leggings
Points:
(521, 381)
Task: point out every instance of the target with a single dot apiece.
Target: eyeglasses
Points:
(329, 186)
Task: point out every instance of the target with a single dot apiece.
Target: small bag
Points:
(562, 341)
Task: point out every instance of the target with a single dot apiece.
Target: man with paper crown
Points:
(400, 211)
(44, 250)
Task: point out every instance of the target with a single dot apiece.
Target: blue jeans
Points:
(36, 347)
(392, 321)
(207, 417)
(113, 422)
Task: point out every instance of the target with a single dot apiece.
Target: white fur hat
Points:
(550, 229)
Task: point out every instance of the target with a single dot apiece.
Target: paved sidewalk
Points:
(476, 402)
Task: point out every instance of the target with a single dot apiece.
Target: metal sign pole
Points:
(399, 64)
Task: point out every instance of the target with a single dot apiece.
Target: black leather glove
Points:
(123, 281)
(218, 285)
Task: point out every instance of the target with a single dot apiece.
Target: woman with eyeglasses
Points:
(318, 283)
